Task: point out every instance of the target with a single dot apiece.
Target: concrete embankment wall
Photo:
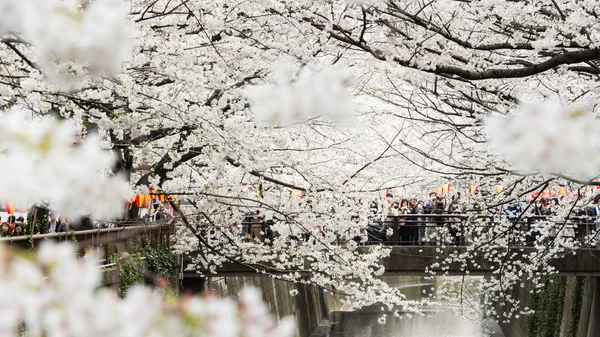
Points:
(566, 307)
(308, 307)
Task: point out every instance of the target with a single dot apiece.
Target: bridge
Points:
(104, 241)
(406, 258)
(415, 260)
(418, 241)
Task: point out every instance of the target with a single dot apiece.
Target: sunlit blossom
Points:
(49, 161)
(548, 138)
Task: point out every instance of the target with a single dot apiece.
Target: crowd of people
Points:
(18, 226)
(439, 219)
(413, 221)
(392, 220)
(435, 221)
(13, 226)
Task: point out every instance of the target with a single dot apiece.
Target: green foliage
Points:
(37, 221)
(156, 259)
(532, 321)
(161, 262)
(73, 236)
(548, 306)
(577, 301)
(130, 271)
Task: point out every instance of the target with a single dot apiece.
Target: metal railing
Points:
(450, 229)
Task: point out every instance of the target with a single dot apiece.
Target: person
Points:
(20, 222)
(361, 238)
(552, 209)
(421, 230)
(539, 209)
(430, 206)
(413, 205)
(439, 222)
(19, 229)
(63, 225)
(390, 204)
(160, 213)
(415, 223)
(592, 212)
(373, 208)
(444, 202)
(401, 232)
(455, 226)
(53, 223)
(256, 225)
(4, 231)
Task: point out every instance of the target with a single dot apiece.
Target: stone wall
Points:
(308, 307)
(566, 307)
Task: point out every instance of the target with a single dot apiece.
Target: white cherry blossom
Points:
(549, 138)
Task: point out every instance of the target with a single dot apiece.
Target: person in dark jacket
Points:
(160, 213)
(430, 205)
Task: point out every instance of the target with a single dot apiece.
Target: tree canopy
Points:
(237, 106)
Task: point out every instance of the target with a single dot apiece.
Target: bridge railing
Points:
(460, 229)
(104, 241)
(452, 229)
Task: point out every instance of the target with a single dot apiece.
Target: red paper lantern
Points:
(139, 199)
(10, 209)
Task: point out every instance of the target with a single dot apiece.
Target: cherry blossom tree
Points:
(238, 106)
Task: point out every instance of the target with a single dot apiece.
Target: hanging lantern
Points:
(10, 209)
(139, 200)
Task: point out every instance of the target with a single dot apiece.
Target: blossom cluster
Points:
(57, 294)
(43, 164)
(96, 37)
(548, 138)
(311, 95)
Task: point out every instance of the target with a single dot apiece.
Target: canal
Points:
(438, 320)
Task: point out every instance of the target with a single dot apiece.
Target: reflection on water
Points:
(440, 321)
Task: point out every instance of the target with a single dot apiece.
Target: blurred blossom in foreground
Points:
(10, 14)
(41, 163)
(96, 37)
(324, 93)
(548, 138)
(57, 294)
